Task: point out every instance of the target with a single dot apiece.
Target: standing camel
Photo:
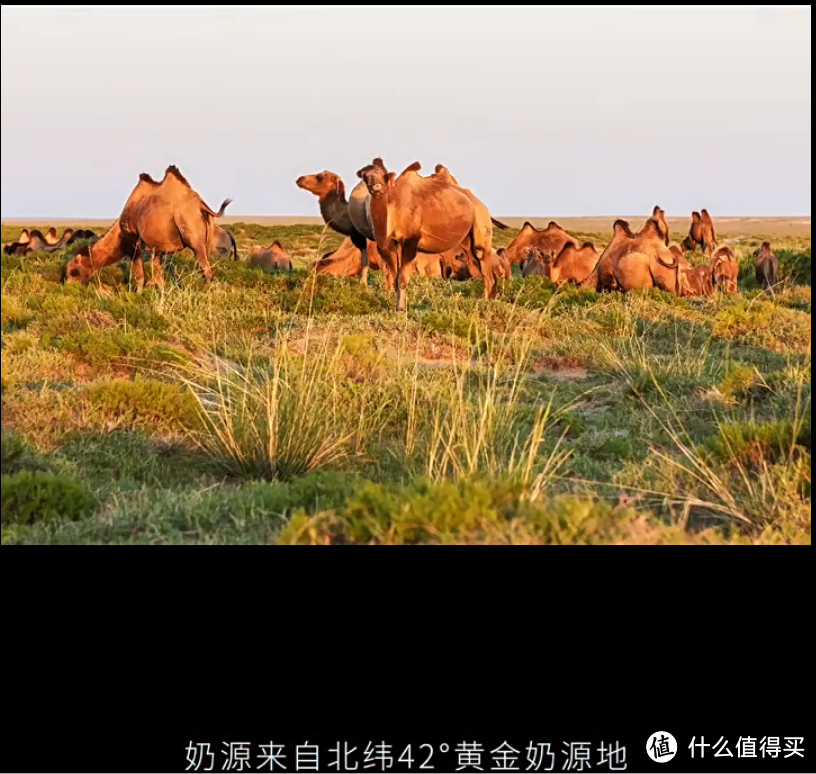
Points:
(412, 213)
(337, 211)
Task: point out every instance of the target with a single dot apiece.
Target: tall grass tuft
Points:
(279, 419)
(481, 422)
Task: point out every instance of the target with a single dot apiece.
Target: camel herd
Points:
(35, 240)
(402, 225)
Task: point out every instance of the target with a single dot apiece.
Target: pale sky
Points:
(540, 111)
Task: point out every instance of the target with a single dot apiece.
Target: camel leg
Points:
(137, 270)
(361, 243)
(158, 274)
(389, 269)
(406, 254)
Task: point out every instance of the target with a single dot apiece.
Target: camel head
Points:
(695, 217)
(376, 177)
(78, 268)
(322, 184)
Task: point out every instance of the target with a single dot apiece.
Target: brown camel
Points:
(651, 264)
(696, 281)
(444, 173)
(663, 227)
(551, 238)
(701, 233)
(81, 233)
(621, 237)
(681, 256)
(412, 213)
(724, 270)
(490, 265)
(36, 241)
(536, 262)
(766, 266)
(162, 217)
(337, 211)
(573, 264)
(223, 244)
(272, 257)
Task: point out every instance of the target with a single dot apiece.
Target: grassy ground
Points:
(290, 408)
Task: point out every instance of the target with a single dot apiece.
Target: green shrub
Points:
(14, 451)
(144, 402)
(36, 495)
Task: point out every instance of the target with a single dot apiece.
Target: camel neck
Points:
(334, 209)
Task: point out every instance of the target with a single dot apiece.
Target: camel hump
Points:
(144, 177)
(527, 225)
(553, 224)
(415, 167)
(588, 246)
(622, 225)
(173, 171)
(438, 169)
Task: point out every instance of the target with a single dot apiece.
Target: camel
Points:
(695, 281)
(621, 237)
(346, 261)
(701, 233)
(412, 213)
(680, 254)
(37, 242)
(163, 217)
(663, 227)
(223, 244)
(551, 238)
(272, 257)
(573, 264)
(490, 265)
(337, 211)
(632, 261)
(444, 173)
(81, 233)
(536, 263)
(766, 266)
(724, 270)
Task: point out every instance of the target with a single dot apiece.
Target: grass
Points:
(286, 408)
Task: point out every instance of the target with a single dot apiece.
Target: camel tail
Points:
(207, 211)
(234, 246)
(499, 225)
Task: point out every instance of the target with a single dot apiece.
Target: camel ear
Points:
(340, 188)
(390, 179)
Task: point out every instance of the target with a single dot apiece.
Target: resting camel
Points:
(701, 233)
(551, 238)
(36, 242)
(163, 217)
(680, 254)
(631, 261)
(412, 213)
(81, 233)
(573, 264)
(695, 281)
(724, 270)
(535, 263)
(272, 257)
(766, 266)
(659, 216)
